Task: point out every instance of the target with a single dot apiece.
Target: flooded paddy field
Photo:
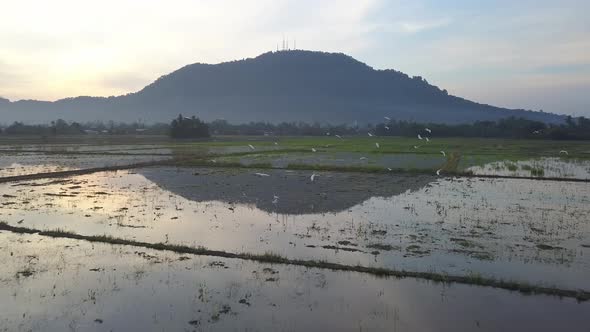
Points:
(32, 163)
(69, 285)
(161, 236)
(525, 230)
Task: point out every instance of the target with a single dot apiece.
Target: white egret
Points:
(427, 139)
(387, 118)
(275, 199)
(443, 153)
(363, 158)
(428, 130)
(416, 146)
(261, 174)
(419, 136)
(313, 177)
(438, 172)
(563, 152)
(389, 169)
(313, 150)
(370, 135)
(386, 127)
(251, 146)
(377, 145)
(276, 143)
(338, 136)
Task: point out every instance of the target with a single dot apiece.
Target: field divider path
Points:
(373, 170)
(270, 258)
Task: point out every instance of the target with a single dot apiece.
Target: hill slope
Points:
(275, 86)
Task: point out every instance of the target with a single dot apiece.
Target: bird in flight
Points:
(377, 145)
(313, 177)
(370, 135)
(387, 118)
(428, 130)
(419, 136)
(251, 146)
(438, 172)
(443, 153)
(261, 174)
(563, 152)
(313, 150)
(338, 136)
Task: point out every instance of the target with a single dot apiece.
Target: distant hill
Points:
(276, 86)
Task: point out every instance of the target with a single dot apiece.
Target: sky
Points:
(516, 54)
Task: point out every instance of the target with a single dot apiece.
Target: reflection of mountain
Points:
(330, 192)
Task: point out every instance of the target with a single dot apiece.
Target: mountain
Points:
(275, 86)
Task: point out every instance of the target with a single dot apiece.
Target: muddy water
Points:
(60, 285)
(533, 231)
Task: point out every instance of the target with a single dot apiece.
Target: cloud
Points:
(419, 26)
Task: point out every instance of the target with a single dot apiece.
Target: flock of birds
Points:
(377, 145)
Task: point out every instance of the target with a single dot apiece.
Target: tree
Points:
(183, 127)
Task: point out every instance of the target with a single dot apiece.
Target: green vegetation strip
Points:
(272, 258)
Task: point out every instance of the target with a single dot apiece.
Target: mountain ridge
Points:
(293, 85)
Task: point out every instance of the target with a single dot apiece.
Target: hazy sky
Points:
(518, 54)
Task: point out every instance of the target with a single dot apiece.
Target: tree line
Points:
(193, 127)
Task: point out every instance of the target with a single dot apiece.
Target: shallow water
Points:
(491, 227)
(33, 163)
(59, 285)
(544, 167)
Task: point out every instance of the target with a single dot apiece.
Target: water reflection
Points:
(296, 193)
(60, 285)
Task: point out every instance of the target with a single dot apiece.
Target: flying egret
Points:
(363, 158)
(428, 130)
(377, 145)
(312, 177)
(251, 146)
(438, 172)
(563, 152)
(338, 136)
(389, 169)
(276, 143)
(386, 127)
(387, 118)
(370, 135)
(443, 153)
(419, 136)
(536, 132)
(328, 134)
(416, 146)
(261, 174)
(313, 150)
(275, 199)
(427, 139)
(213, 161)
